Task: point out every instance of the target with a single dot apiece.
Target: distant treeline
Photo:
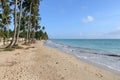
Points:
(26, 18)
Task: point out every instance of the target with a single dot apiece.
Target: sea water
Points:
(105, 52)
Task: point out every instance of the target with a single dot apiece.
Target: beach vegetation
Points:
(9, 49)
(17, 47)
(25, 16)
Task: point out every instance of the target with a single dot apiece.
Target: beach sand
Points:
(40, 62)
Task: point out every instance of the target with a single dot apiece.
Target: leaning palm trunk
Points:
(15, 24)
(16, 41)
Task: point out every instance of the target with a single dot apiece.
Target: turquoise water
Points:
(103, 46)
(105, 52)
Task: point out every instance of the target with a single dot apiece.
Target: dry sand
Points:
(44, 63)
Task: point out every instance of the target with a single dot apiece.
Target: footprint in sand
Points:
(17, 54)
(99, 75)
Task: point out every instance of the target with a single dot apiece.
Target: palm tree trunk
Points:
(29, 27)
(34, 33)
(4, 36)
(27, 33)
(16, 41)
(15, 28)
(8, 36)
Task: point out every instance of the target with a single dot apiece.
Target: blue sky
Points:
(81, 18)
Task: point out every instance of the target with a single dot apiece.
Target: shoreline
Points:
(81, 55)
(88, 62)
(41, 62)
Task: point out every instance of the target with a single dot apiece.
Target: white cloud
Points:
(88, 19)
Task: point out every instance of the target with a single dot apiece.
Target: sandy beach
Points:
(39, 62)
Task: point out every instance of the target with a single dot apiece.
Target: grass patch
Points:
(17, 47)
(9, 49)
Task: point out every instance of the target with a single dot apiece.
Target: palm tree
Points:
(35, 20)
(24, 23)
(31, 6)
(5, 17)
(15, 24)
(19, 23)
(27, 5)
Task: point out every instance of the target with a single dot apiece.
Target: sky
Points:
(81, 19)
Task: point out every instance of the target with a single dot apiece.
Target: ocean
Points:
(103, 52)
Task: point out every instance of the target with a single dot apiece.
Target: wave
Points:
(113, 55)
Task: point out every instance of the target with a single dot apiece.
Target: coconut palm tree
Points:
(15, 24)
(5, 17)
(31, 7)
(19, 22)
(35, 19)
